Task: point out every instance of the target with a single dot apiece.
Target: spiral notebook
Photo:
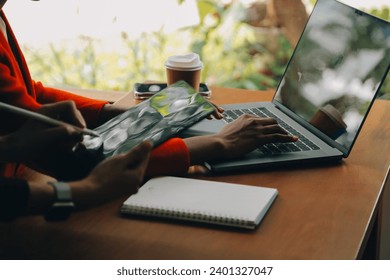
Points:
(201, 201)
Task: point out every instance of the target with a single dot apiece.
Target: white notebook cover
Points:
(201, 200)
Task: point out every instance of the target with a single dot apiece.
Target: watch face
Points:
(60, 211)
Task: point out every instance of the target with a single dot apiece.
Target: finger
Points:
(72, 115)
(220, 109)
(216, 115)
(137, 169)
(257, 119)
(78, 119)
(272, 129)
(138, 156)
(218, 112)
(61, 134)
(65, 111)
(281, 138)
(217, 108)
(264, 121)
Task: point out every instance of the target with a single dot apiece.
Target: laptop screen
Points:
(340, 62)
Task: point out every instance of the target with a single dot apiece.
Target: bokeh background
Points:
(110, 45)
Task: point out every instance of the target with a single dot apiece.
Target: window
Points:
(110, 45)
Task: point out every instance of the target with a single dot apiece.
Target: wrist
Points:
(83, 195)
(41, 198)
(109, 111)
(63, 205)
(204, 148)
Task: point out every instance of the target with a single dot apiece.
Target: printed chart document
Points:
(202, 201)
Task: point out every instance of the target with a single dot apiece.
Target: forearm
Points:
(108, 112)
(42, 197)
(204, 148)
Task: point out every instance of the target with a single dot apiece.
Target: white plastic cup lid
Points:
(188, 62)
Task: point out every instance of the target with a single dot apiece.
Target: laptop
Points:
(333, 77)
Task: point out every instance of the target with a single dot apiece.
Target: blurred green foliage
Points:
(383, 13)
(234, 53)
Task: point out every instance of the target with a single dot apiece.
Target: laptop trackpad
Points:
(203, 127)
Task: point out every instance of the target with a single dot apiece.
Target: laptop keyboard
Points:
(303, 144)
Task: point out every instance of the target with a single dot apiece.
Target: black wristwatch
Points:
(63, 205)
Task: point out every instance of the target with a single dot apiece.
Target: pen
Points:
(43, 118)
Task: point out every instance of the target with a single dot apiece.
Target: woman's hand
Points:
(237, 139)
(217, 114)
(36, 140)
(250, 132)
(114, 177)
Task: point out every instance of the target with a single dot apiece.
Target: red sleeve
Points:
(17, 87)
(90, 108)
(13, 91)
(170, 158)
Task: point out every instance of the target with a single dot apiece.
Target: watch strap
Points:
(62, 191)
(63, 205)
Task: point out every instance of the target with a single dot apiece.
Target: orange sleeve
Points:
(17, 88)
(170, 158)
(13, 91)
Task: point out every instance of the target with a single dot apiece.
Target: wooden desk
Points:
(323, 212)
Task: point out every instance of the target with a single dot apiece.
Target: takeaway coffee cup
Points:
(329, 120)
(185, 67)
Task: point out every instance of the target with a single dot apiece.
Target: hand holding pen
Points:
(42, 134)
(67, 108)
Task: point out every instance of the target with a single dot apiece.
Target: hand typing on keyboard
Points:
(303, 144)
(248, 132)
(237, 138)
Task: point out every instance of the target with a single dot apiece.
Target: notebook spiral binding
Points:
(187, 214)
